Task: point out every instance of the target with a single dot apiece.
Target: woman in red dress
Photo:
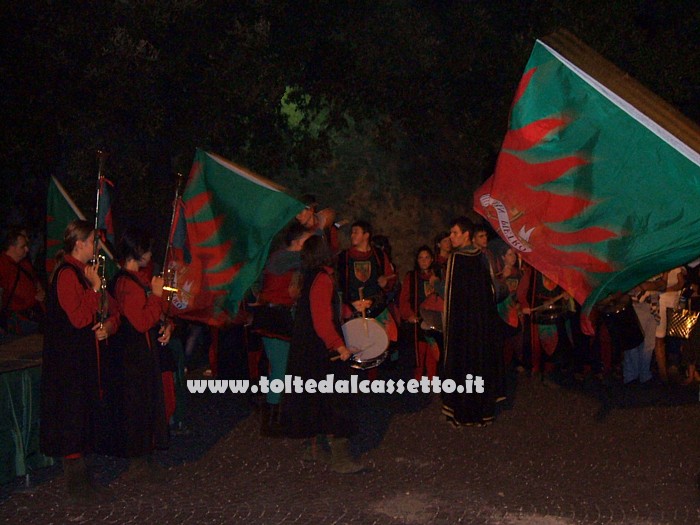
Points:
(71, 382)
(135, 387)
(417, 288)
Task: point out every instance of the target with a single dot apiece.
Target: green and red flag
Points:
(178, 234)
(60, 210)
(105, 224)
(177, 238)
(597, 184)
(232, 216)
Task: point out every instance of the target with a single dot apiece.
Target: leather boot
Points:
(341, 458)
(81, 488)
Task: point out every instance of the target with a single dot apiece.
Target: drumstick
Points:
(361, 290)
(548, 303)
(337, 357)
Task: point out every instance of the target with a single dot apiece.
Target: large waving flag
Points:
(231, 217)
(60, 210)
(597, 184)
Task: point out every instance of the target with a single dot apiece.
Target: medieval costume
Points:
(504, 263)
(316, 333)
(358, 272)
(133, 383)
(423, 345)
(71, 384)
(273, 321)
(548, 319)
(472, 338)
(358, 276)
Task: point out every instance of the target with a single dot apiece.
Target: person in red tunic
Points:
(134, 383)
(366, 270)
(71, 382)
(417, 287)
(21, 302)
(273, 319)
(317, 349)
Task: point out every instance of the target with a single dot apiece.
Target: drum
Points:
(549, 314)
(370, 338)
(431, 320)
(623, 326)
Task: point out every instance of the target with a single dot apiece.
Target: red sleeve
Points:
(79, 303)
(141, 311)
(524, 288)
(25, 294)
(320, 297)
(405, 308)
(389, 273)
(113, 308)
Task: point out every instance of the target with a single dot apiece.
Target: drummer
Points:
(316, 339)
(365, 274)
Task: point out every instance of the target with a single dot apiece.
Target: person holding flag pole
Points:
(135, 394)
(71, 386)
(80, 317)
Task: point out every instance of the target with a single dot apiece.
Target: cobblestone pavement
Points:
(564, 454)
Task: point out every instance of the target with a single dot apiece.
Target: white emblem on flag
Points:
(504, 224)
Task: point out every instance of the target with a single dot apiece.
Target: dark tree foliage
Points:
(413, 94)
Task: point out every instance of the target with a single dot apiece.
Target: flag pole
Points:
(101, 262)
(101, 159)
(178, 195)
(98, 259)
(169, 287)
